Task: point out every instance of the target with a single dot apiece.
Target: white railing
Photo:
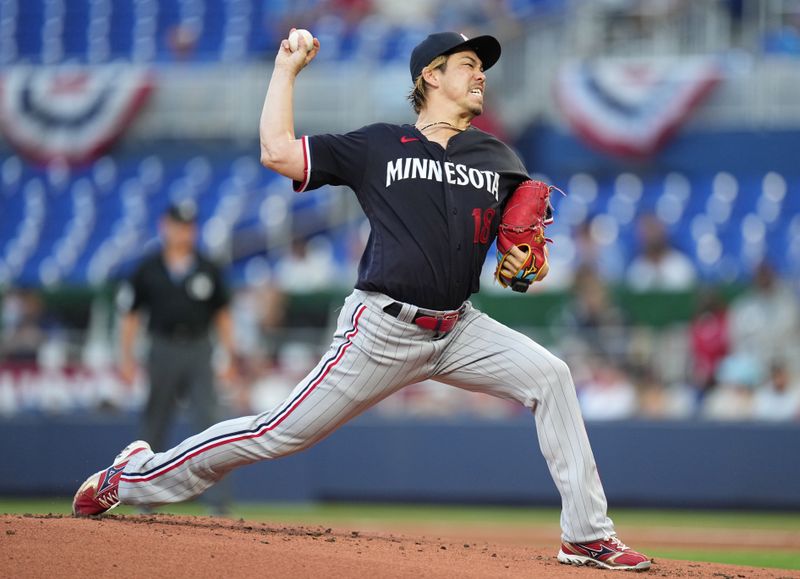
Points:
(217, 101)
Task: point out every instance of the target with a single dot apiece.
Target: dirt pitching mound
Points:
(176, 547)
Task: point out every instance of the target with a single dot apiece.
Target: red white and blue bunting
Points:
(632, 106)
(70, 112)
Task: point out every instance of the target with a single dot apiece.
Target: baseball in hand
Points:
(294, 39)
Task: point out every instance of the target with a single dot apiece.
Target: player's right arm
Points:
(280, 150)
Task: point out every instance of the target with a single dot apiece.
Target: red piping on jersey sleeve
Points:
(300, 186)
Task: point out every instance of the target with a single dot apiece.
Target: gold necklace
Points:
(450, 125)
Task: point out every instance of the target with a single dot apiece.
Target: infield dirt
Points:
(180, 547)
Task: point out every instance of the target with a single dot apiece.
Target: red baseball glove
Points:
(522, 224)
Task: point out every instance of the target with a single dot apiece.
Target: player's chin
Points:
(476, 109)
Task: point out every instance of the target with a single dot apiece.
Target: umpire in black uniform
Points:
(184, 294)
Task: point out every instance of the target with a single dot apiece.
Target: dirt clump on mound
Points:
(166, 545)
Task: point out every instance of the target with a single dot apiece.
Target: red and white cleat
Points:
(100, 492)
(608, 553)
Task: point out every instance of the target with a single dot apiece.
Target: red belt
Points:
(438, 322)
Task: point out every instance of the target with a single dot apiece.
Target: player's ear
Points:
(431, 76)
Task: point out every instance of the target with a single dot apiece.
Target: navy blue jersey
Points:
(433, 211)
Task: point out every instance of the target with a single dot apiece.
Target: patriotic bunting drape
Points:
(630, 107)
(69, 112)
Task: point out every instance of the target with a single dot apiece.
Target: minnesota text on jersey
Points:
(432, 170)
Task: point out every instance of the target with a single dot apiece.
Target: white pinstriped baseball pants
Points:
(374, 354)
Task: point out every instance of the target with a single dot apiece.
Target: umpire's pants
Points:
(180, 370)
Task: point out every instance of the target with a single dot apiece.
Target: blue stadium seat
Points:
(29, 30)
(123, 26)
(77, 29)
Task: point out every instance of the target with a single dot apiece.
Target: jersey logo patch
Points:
(405, 139)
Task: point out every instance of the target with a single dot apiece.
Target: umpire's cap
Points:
(182, 211)
(486, 47)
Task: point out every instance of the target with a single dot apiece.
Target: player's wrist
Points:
(285, 70)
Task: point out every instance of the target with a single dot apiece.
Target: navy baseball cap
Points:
(486, 47)
(182, 211)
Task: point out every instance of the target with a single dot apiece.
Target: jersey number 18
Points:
(482, 226)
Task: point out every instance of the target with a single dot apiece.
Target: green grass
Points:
(304, 512)
(310, 513)
(775, 559)
(708, 519)
(353, 514)
(345, 512)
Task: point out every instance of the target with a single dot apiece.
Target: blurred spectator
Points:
(307, 267)
(294, 360)
(593, 317)
(765, 321)
(182, 40)
(628, 24)
(411, 13)
(709, 338)
(280, 16)
(334, 22)
(476, 16)
(605, 392)
(659, 266)
(594, 251)
(657, 401)
(736, 11)
(53, 395)
(732, 398)
(352, 12)
(785, 39)
(258, 316)
(23, 326)
(779, 398)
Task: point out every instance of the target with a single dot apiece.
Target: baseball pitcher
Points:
(437, 193)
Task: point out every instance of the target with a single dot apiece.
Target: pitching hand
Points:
(295, 61)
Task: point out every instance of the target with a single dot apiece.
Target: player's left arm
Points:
(522, 255)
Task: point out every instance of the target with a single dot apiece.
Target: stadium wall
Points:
(688, 465)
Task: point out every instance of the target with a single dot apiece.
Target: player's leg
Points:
(372, 355)
(483, 355)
